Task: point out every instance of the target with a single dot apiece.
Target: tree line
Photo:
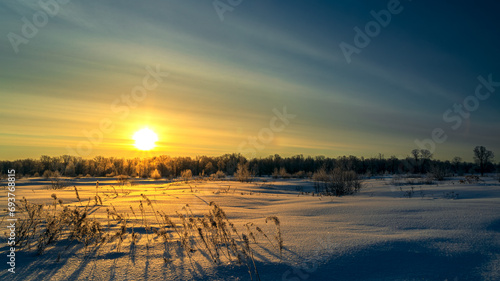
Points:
(418, 162)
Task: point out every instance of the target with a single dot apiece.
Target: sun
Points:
(145, 139)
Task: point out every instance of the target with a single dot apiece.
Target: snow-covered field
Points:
(444, 231)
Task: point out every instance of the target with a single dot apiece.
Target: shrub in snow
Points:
(122, 179)
(275, 173)
(337, 182)
(218, 175)
(243, 173)
(438, 172)
(344, 182)
(56, 182)
(186, 175)
(300, 175)
(281, 173)
(155, 174)
(47, 174)
(321, 175)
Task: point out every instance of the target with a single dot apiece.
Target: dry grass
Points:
(399, 180)
(43, 226)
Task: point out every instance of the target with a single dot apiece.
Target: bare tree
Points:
(456, 164)
(482, 156)
(425, 154)
(416, 154)
(421, 157)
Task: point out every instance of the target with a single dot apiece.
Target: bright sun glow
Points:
(145, 139)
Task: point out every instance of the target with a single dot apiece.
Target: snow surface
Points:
(378, 234)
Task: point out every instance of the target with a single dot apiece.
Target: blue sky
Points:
(225, 77)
